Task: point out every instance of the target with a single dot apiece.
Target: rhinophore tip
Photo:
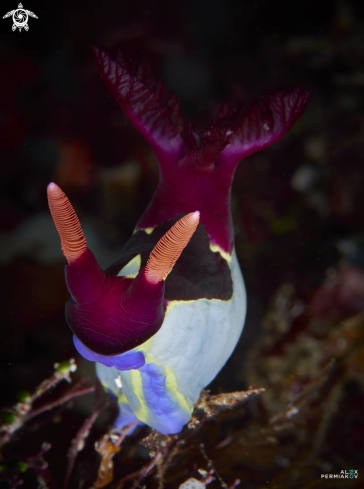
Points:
(168, 249)
(66, 221)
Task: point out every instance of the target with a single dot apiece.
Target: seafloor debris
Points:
(13, 418)
(288, 431)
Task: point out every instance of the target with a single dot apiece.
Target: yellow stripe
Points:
(223, 253)
(172, 388)
(146, 230)
(122, 398)
(136, 382)
(137, 260)
(145, 348)
(172, 304)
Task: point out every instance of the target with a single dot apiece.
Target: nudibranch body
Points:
(162, 321)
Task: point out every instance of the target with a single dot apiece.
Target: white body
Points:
(193, 344)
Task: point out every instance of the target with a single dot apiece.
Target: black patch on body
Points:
(199, 273)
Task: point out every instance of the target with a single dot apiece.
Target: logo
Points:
(20, 17)
(344, 474)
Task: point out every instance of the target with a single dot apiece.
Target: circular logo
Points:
(20, 17)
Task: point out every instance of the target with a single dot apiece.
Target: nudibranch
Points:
(161, 322)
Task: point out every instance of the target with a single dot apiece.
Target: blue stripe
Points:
(166, 415)
(124, 361)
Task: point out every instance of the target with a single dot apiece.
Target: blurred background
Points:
(298, 207)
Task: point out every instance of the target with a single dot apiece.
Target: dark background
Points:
(298, 207)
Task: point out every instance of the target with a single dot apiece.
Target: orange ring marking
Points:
(73, 240)
(168, 249)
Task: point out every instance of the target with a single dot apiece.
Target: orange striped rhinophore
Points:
(168, 249)
(68, 226)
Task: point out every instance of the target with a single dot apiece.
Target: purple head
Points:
(112, 314)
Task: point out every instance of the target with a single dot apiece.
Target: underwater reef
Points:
(286, 411)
